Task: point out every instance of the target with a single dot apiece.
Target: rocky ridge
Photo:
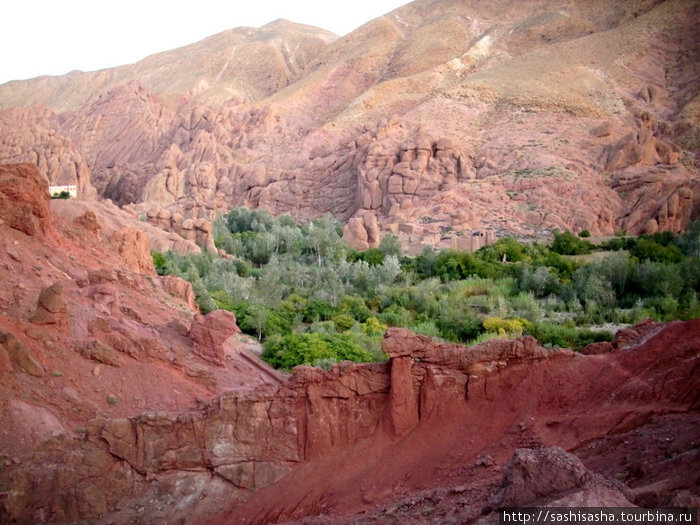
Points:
(291, 436)
(440, 122)
(87, 329)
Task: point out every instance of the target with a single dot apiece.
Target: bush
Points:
(390, 245)
(452, 265)
(650, 250)
(504, 326)
(311, 349)
(459, 330)
(569, 244)
(396, 316)
(427, 327)
(160, 263)
(506, 249)
(343, 322)
(318, 311)
(567, 335)
(373, 326)
(355, 306)
(373, 256)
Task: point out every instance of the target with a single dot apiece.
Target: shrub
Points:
(311, 349)
(506, 249)
(567, 335)
(355, 306)
(318, 311)
(343, 322)
(373, 326)
(390, 245)
(261, 322)
(427, 327)
(160, 263)
(396, 315)
(510, 327)
(650, 250)
(459, 330)
(372, 256)
(584, 234)
(569, 244)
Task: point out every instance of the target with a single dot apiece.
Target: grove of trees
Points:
(310, 299)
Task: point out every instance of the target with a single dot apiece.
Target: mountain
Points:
(438, 121)
(121, 403)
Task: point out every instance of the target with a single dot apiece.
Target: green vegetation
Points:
(62, 195)
(311, 300)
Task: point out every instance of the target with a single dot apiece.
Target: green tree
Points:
(569, 244)
(390, 245)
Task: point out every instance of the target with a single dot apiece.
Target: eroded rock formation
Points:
(437, 125)
(24, 200)
(302, 428)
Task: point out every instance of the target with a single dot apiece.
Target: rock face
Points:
(429, 393)
(88, 331)
(29, 135)
(209, 332)
(198, 231)
(111, 219)
(180, 289)
(24, 199)
(444, 124)
(132, 246)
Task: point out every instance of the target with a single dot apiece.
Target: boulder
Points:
(24, 199)
(180, 289)
(89, 222)
(551, 476)
(209, 332)
(534, 474)
(52, 307)
(355, 234)
(20, 357)
(133, 247)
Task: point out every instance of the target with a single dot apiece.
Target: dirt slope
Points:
(439, 456)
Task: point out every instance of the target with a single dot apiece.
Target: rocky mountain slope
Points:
(88, 330)
(436, 121)
(122, 404)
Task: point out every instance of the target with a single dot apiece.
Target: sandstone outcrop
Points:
(132, 246)
(198, 231)
(554, 477)
(14, 354)
(24, 199)
(86, 334)
(209, 332)
(180, 289)
(111, 219)
(52, 307)
(430, 393)
(30, 135)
